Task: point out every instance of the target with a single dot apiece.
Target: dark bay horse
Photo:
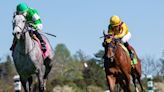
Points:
(117, 64)
(28, 57)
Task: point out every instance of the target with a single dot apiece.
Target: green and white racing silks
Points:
(33, 17)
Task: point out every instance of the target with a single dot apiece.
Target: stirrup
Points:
(132, 67)
(43, 47)
(132, 55)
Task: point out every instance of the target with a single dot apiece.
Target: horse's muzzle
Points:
(17, 34)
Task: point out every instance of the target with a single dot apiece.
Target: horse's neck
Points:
(21, 46)
(119, 50)
(28, 42)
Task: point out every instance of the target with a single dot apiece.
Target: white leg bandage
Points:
(126, 37)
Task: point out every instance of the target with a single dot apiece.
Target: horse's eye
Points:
(24, 21)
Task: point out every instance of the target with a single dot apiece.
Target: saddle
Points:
(134, 60)
(45, 54)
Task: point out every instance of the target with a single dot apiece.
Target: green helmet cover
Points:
(22, 7)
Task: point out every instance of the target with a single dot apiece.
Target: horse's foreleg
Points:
(111, 82)
(138, 72)
(48, 66)
(122, 85)
(30, 83)
(127, 81)
(25, 84)
(134, 82)
(40, 75)
(134, 78)
(142, 90)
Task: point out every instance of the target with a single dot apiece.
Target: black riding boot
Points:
(41, 40)
(130, 51)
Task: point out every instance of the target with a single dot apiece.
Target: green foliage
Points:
(62, 53)
(99, 57)
(95, 74)
(7, 71)
(73, 71)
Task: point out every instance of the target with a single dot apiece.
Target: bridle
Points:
(22, 33)
(112, 44)
(22, 29)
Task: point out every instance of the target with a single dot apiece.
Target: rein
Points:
(112, 44)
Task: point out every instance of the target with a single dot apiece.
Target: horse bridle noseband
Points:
(25, 27)
(109, 45)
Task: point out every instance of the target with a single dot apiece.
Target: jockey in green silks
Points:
(33, 17)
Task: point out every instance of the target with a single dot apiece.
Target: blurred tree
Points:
(80, 56)
(99, 58)
(62, 57)
(150, 66)
(7, 71)
(62, 53)
(66, 68)
(94, 74)
(162, 68)
(162, 65)
(74, 71)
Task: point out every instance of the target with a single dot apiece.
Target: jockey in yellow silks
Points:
(120, 31)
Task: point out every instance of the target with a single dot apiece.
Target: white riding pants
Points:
(126, 37)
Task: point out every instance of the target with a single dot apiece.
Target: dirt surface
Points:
(159, 86)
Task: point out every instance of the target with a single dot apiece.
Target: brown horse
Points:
(117, 64)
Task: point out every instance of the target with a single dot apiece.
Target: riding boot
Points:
(130, 51)
(43, 46)
(13, 45)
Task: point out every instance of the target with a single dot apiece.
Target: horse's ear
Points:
(14, 14)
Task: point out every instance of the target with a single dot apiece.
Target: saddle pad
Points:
(134, 61)
(45, 54)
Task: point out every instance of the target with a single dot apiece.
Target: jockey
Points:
(31, 16)
(120, 31)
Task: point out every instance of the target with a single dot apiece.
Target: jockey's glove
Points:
(33, 26)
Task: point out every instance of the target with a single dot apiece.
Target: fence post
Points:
(17, 83)
(150, 85)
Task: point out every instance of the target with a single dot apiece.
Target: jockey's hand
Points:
(117, 39)
(32, 25)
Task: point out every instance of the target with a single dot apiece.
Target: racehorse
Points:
(117, 64)
(28, 57)
(112, 48)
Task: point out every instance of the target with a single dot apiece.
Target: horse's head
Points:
(110, 44)
(19, 26)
